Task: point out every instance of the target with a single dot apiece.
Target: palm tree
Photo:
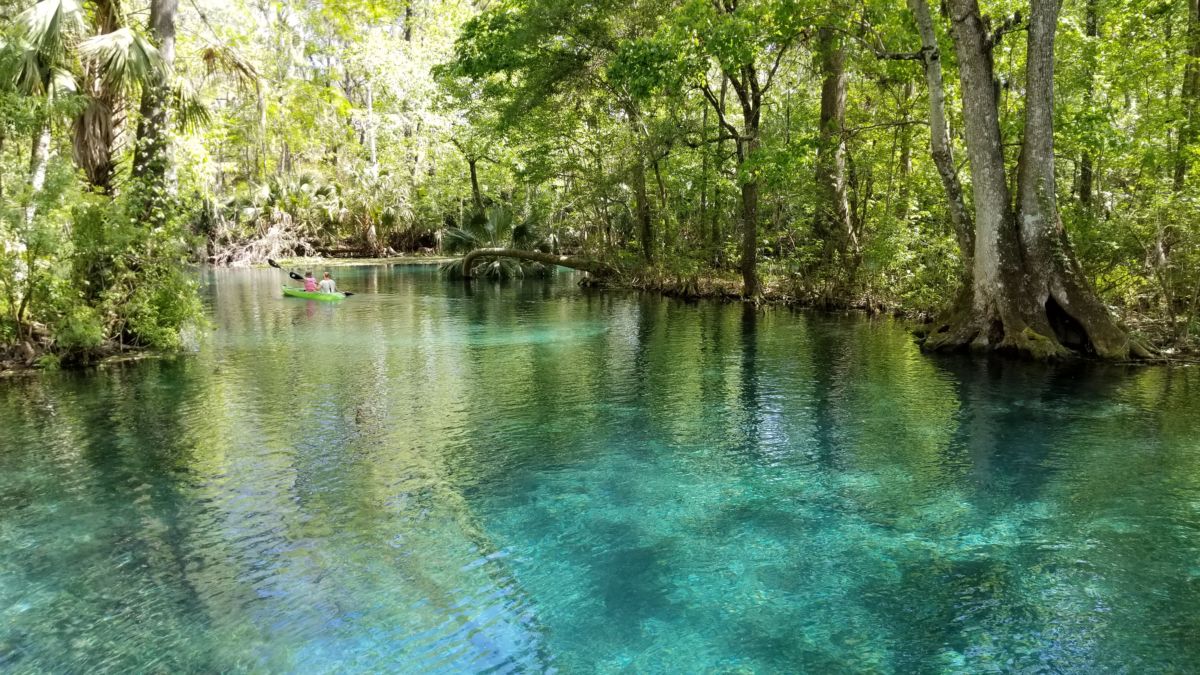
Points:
(52, 48)
(32, 64)
(150, 161)
(495, 230)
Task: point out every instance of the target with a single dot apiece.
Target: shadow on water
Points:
(525, 476)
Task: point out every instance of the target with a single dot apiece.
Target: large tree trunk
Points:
(94, 133)
(595, 267)
(1190, 95)
(1086, 163)
(151, 160)
(939, 135)
(642, 208)
(1028, 293)
(832, 221)
(750, 287)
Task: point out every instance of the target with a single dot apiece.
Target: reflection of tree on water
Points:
(353, 543)
(369, 477)
(593, 481)
(1004, 568)
(118, 538)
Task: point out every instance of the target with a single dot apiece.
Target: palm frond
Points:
(222, 59)
(29, 76)
(62, 82)
(50, 25)
(458, 240)
(191, 113)
(125, 58)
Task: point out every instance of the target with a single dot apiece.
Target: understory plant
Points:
(495, 228)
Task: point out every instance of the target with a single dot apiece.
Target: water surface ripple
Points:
(432, 477)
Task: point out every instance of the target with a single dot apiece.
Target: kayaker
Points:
(310, 282)
(327, 284)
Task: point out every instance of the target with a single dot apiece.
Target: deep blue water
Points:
(433, 477)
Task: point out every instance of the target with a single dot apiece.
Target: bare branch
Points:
(716, 104)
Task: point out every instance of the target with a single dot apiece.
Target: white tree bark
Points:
(1029, 293)
(939, 131)
(38, 161)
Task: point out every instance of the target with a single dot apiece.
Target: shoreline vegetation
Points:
(776, 292)
(999, 173)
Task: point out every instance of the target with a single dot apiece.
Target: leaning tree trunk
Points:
(939, 135)
(150, 158)
(476, 192)
(1029, 294)
(594, 267)
(718, 167)
(832, 221)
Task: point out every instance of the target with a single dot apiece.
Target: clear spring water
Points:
(430, 478)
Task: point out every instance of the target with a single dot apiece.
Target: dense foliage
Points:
(774, 148)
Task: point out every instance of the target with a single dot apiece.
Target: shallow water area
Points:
(432, 476)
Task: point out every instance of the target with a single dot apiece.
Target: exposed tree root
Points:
(278, 242)
(1050, 330)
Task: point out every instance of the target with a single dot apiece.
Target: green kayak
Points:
(312, 295)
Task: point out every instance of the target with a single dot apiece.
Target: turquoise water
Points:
(431, 477)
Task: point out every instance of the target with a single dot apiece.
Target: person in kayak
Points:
(310, 282)
(328, 285)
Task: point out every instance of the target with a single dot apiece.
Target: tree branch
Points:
(712, 99)
(1011, 24)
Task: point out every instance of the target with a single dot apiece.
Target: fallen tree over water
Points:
(596, 268)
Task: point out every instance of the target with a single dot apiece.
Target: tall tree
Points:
(150, 158)
(1189, 126)
(1029, 294)
(939, 134)
(95, 128)
(833, 223)
(746, 42)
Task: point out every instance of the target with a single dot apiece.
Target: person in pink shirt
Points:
(310, 282)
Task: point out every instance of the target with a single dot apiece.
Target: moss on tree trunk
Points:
(1028, 295)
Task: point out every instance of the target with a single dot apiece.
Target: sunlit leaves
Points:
(51, 26)
(125, 58)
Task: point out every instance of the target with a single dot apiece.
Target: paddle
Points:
(297, 277)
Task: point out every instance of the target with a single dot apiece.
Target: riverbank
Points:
(556, 463)
(30, 361)
(321, 263)
(787, 292)
(29, 357)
